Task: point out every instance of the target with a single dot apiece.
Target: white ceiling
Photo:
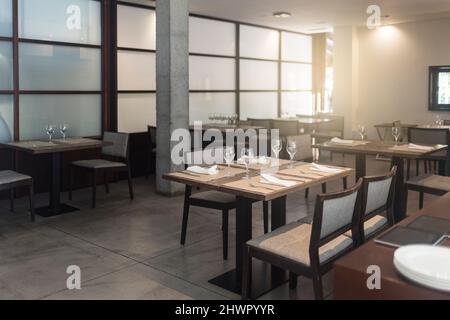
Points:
(316, 15)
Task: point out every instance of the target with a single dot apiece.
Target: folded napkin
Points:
(200, 170)
(419, 147)
(342, 141)
(325, 169)
(269, 179)
(263, 160)
(252, 161)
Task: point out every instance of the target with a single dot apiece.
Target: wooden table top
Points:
(379, 147)
(300, 173)
(393, 285)
(307, 120)
(56, 145)
(429, 126)
(223, 127)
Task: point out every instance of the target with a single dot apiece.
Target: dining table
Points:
(351, 271)
(55, 148)
(248, 191)
(397, 152)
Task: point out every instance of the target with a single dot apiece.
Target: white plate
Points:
(424, 264)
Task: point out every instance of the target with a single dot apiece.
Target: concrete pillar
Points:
(345, 61)
(172, 81)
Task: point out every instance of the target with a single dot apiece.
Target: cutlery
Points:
(289, 177)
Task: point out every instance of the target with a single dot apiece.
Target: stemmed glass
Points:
(229, 157)
(277, 145)
(247, 156)
(63, 129)
(50, 130)
(396, 132)
(291, 148)
(362, 131)
(437, 120)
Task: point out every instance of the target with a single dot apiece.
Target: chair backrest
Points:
(152, 135)
(429, 135)
(378, 196)
(119, 144)
(446, 122)
(335, 214)
(336, 125)
(304, 147)
(265, 123)
(205, 156)
(286, 127)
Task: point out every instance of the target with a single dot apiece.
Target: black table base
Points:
(47, 212)
(265, 279)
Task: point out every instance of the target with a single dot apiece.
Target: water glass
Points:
(291, 149)
(396, 133)
(247, 156)
(50, 130)
(63, 129)
(229, 157)
(362, 131)
(277, 145)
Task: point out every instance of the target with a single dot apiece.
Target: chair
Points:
(116, 147)
(212, 200)
(430, 184)
(10, 180)
(151, 131)
(264, 123)
(330, 130)
(305, 249)
(376, 214)
(286, 127)
(428, 136)
(446, 122)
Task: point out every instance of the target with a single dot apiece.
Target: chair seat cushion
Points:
(292, 241)
(372, 225)
(214, 196)
(8, 176)
(98, 164)
(436, 182)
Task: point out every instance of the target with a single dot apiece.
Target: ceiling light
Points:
(281, 14)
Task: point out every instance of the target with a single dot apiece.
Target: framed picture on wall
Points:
(439, 88)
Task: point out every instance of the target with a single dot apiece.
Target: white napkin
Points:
(341, 141)
(252, 161)
(320, 168)
(200, 170)
(269, 179)
(419, 147)
(263, 160)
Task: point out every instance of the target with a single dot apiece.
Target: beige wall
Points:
(389, 72)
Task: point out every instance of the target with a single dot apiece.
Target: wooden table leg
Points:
(400, 191)
(360, 166)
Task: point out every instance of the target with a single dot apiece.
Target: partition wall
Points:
(54, 67)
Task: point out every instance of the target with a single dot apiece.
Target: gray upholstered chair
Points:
(265, 123)
(211, 199)
(305, 249)
(10, 180)
(286, 127)
(115, 158)
(376, 213)
(428, 136)
(327, 131)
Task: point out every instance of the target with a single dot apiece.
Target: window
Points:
(440, 88)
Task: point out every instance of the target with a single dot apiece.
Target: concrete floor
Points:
(130, 249)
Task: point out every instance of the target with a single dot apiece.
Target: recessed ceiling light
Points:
(281, 14)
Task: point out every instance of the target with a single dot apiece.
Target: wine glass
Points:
(396, 132)
(63, 129)
(277, 145)
(437, 120)
(247, 156)
(50, 130)
(229, 157)
(362, 131)
(291, 149)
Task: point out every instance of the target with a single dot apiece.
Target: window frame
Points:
(434, 105)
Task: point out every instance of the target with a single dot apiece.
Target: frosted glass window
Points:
(49, 67)
(76, 21)
(136, 27)
(258, 75)
(259, 105)
(294, 103)
(212, 37)
(296, 47)
(6, 66)
(203, 104)
(7, 111)
(296, 76)
(136, 70)
(211, 73)
(82, 113)
(259, 43)
(136, 111)
(6, 18)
